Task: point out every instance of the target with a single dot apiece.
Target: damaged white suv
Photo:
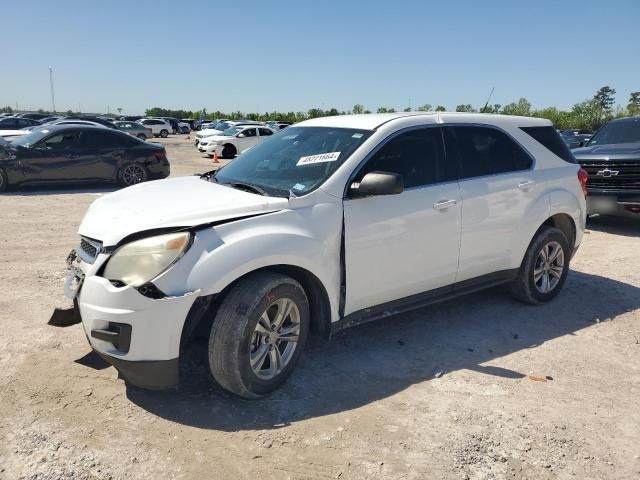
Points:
(330, 223)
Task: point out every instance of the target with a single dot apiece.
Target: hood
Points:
(612, 151)
(207, 132)
(174, 202)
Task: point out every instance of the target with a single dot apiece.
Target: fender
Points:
(572, 204)
(288, 237)
(536, 215)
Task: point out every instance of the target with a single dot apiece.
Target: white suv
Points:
(333, 222)
(159, 127)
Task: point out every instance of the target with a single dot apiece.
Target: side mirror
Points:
(378, 183)
(241, 135)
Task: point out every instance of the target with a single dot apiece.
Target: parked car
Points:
(64, 121)
(175, 128)
(219, 127)
(612, 160)
(184, 127)
(50, 119)
(72, 154)
(340, 221)
(234, 140)
(278, 125)
(159, 128)
(34, 116)
(135, 129)
(190, 121)
(91, 118)
(576, 138)
(16, 123)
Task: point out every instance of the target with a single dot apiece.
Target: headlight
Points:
(138, 262)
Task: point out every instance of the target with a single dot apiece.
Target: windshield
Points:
(230, 132)
(298, 159)
(32, 137)
(222, 126)
(627, 131)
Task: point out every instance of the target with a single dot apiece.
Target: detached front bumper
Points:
(139, 336)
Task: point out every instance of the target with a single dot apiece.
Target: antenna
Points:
(484, 109)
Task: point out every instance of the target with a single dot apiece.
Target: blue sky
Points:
(296, 54)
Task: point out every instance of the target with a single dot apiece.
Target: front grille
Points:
(620, 175)
(89, 249)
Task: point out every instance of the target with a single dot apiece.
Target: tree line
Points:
(591, 113)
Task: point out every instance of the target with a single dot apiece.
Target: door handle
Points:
(443, 204)
(527, 185)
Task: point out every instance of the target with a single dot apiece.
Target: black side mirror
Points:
(378, 183)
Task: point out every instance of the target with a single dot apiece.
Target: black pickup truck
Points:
(612, 160)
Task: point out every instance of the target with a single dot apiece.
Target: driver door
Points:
(401, 245)
(249, 140)
(53, 158)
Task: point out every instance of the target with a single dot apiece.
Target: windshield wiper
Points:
(210, 175)
(249, 187)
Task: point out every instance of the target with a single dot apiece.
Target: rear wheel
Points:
(4, 182)
(164, 133)
(132, 174)
(258, 334)
(229, 151)
(142, 136)
(544, 268)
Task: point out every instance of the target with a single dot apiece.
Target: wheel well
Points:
(230, 145)
(201, 315)
(565, 224)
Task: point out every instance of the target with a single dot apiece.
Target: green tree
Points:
(440, 108)
(587, 114)
(6, 109)
(408, 109)
(605, 97)
(367, 111)
(358, 108)
(634, 103)
(424, 108)
(382, 110)
(465, 108)
(521, 107)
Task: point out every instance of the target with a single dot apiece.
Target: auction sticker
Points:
(320, 158)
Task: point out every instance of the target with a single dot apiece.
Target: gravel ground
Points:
(444, 392)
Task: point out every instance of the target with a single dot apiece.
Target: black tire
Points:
(526, 287)
(229, 151)
(142, 136)
(164, 133)
(210, 156)
(234, 331)
(4, 181)
(132, 174)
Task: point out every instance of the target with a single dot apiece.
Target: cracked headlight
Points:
(139, 262)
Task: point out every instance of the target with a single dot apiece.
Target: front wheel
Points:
(164, 133)
(142, 136)
(258, 334)
(229, 151)
(544, 268)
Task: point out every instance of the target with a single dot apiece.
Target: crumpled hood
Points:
(174, 202)
(614, 150)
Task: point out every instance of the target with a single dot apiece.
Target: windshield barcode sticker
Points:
(320, 158)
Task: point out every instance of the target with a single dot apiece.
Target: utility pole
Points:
(53, 98)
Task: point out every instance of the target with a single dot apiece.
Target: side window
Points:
(548, 137)
(100, 139)
(264, 132)
(62, 141)
(250, 132)
(485, 151)
(417, 155)
(25, 122)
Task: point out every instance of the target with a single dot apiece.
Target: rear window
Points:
(549, 138)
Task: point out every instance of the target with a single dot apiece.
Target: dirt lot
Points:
(439, 393)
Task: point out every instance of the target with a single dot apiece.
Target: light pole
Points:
(53, 98)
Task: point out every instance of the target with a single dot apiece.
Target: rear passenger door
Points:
(102, 153)
(497, 185)
(250, 139)
(401, 245)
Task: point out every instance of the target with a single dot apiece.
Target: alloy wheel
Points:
(275, 338)
(133, 174)
(549, 267)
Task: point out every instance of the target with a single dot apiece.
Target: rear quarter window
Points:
(549, 138)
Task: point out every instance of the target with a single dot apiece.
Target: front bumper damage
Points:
(139, 336)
